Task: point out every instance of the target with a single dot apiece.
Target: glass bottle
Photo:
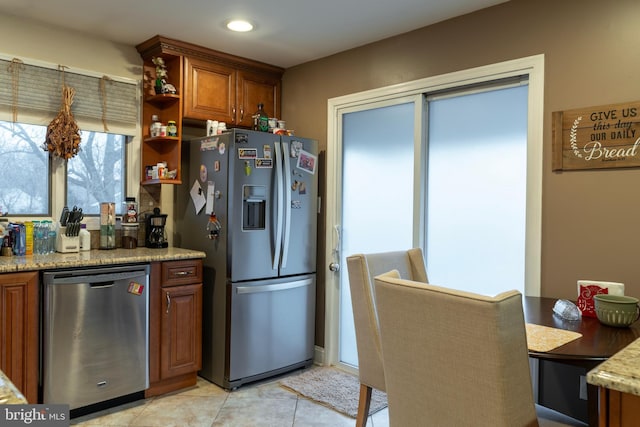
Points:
(261, 119)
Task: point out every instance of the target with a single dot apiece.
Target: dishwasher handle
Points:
(94, 278)
(100, 285)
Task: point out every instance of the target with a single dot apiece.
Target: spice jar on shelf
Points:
(172, 129)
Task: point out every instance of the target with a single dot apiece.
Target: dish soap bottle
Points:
(260, 119)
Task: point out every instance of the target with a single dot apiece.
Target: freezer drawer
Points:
(95, 334)
(272, 326)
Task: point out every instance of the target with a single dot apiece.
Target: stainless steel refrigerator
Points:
(249, 200)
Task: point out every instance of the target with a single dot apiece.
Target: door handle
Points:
(334, 266)
(168, 302)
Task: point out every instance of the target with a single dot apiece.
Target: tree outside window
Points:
(95, 175)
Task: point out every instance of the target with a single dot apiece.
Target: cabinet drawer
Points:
(181, 272)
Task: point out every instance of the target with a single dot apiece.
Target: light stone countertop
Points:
(95, 257)
(621, 372)
(9, 394)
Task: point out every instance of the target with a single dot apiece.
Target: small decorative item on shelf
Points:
(161, 74)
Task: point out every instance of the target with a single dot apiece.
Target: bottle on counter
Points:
(84, 238)
(32, 238)
(52, 237)
(130, 210)
(261, 119)
(44, 238)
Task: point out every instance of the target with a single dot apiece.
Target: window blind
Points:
(37, 97)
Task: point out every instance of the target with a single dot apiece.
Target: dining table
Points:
(560, 372)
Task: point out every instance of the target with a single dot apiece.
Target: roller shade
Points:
(39, 97)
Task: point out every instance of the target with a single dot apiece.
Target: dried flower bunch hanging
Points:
(63, 133)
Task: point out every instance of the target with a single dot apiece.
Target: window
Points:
(96, 174)
(24, 174)
(106, 109)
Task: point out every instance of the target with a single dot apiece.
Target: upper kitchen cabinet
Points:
(210, 91)
(228, 89)
(210, 85)
(253, 89)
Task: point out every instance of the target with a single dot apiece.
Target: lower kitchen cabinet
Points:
(175, 325)
(618, 409)
(19, 331)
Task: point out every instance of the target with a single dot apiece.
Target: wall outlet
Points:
(583, 387)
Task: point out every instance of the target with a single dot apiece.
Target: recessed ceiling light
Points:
(239, 25)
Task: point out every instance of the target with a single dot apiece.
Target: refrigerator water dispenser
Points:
(254, 202)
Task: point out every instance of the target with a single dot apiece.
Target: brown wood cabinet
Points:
(175, 325)
(19, 331)
(211, 85)
(618, 409)
(215, 91)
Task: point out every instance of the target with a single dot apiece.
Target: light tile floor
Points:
(260, 404)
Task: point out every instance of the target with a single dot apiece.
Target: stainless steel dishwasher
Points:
(95, 334)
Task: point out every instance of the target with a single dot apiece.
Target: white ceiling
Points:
(288, 32)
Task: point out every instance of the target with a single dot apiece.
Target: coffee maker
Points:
(155, 235)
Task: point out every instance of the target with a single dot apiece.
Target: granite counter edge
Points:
(16, 264)
(621, 372)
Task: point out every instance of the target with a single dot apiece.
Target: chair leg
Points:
(363, 406)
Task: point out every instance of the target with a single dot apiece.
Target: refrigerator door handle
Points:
(279, 207)
(287, 204)
(274, 287)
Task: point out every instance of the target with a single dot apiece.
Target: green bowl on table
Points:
(616, 310)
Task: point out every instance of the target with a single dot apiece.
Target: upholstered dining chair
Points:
(454, 358)
(362, 268)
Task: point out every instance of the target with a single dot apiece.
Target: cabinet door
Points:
(19, 331)
(620, 410)
(181, 343)
(210, 91)
(255, 88)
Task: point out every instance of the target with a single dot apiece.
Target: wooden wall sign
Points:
(597, 137)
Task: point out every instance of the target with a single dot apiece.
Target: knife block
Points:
(66, 244)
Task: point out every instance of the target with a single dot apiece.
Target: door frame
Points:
(533, 67)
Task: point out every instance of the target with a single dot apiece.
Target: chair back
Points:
(453, 358)
(362, 268)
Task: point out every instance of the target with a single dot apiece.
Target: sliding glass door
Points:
(477, 189)
(377, 194)
(451, 164)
